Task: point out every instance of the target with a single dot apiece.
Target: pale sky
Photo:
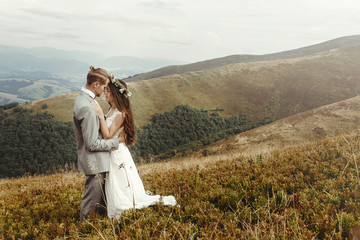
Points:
(187, 30)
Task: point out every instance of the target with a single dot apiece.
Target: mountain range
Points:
(241, 58)
(271, 89)
(68, 62)
(47, 72)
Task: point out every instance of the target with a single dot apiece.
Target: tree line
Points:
(37, 143)
(184, 130)
(9, 105)
(34, 143)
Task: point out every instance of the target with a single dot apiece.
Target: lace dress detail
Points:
(123, 187)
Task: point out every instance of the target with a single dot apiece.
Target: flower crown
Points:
(122, 88)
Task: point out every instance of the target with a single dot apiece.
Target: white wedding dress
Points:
(123, 187)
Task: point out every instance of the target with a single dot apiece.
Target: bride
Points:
(123, 187)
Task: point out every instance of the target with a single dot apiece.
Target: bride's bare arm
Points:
(114, 127)
(106, 132)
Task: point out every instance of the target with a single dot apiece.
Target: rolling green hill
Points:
(265, 89)
(218, 62)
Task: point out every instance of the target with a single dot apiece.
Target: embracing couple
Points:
(111, 177)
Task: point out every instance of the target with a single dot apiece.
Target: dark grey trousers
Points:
(94, 195)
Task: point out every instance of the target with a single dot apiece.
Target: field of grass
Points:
(304, 192)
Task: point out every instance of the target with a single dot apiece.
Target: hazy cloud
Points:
(161, 5)
(173, 42)
(189, 30)
(45, 13)
(62, 35)
(22, 31)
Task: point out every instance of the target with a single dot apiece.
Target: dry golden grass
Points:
(25, 184)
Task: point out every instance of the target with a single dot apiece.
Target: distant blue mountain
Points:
(28, 74)
(17, 61)
(72, 62)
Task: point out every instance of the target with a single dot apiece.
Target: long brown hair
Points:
(123, 104)
(97, 75)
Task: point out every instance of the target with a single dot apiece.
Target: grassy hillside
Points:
(218, 62)
(273, 89)
(305, 192)
(331, 120)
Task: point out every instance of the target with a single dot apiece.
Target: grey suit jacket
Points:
(93, 151)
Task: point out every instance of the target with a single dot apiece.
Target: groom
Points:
(92, 150)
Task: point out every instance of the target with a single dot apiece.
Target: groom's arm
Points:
(90, 131)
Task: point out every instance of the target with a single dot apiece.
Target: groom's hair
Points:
(97, 75)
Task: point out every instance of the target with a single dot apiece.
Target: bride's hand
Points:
(98, 109)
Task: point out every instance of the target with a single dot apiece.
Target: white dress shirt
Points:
(91, 94)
